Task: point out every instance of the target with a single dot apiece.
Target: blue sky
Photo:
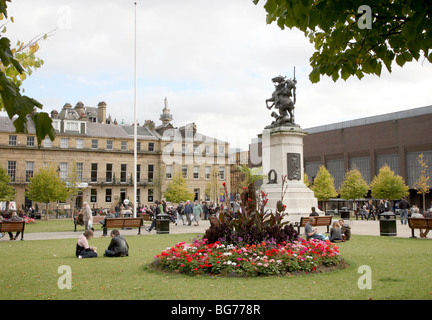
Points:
(213, 60)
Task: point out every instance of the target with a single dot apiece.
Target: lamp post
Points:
(135, 126)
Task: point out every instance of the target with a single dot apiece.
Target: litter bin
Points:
(162, 223)
(345, 213)
(388, 224)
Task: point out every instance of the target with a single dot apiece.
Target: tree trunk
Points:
(46, 213)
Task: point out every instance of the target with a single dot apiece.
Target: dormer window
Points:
(56, 125)
(72, 126)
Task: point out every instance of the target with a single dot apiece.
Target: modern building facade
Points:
(395, 139)
(101, 154)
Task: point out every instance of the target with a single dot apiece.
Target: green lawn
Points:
(399, 270)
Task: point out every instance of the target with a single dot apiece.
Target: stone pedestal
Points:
(282, 155)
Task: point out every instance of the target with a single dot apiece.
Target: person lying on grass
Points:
(118, 246)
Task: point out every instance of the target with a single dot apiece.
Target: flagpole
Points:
(135, 204)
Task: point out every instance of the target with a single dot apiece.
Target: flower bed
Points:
(262, 259)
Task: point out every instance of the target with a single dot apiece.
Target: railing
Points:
(99, 182)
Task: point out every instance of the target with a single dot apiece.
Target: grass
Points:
(399, 270)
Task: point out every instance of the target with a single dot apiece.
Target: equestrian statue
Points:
(285, 89)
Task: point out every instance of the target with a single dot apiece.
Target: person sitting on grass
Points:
(83, 250)
(313, 233)
(345, 229)
(118, 246)
(336, 232)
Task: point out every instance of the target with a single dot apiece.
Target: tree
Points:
(177, 190)
(356, 37)
(422, 184)
(306, 180)
(354, 186)
(19, 107)
(46, 186)
(7, 192)
(323, 185)
(387, 185)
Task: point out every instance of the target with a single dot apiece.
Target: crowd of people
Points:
(187, 212)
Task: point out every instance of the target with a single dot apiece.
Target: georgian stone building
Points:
(100, 152)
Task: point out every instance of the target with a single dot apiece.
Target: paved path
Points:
(360, 227)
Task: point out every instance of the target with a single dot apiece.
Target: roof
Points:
(6, 125)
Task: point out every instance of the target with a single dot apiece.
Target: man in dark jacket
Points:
(155, 212)
(188, 210)
(404, 206)
(118, 246)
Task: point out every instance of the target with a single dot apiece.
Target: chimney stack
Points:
(101, 112)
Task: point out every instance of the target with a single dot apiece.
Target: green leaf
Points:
(43, 124)
(314, 76)
(400, 60)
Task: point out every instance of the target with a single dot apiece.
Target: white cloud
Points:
(214, 60)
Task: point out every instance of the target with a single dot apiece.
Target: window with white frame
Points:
(29, 170)
(64, 143)
(207, 173)
(12, 140)
(30, 141)
(169, 172)
(93, 195)
(109, 144)
(222, 173)
(63, 170)
(95, 143)
(56, 125)
(109, 172)
(47, 142)
(124, 146)
(72, 126)
(80, 171)
(94, 172)
(196, 172)
(11, 170)
(79, 143)
(185, 171)
(108, 195)
(123, 172)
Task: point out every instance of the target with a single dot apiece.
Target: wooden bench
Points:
(147, 217)
(119, 223)
(318, 221)
(96, 220)
(419, 223)
(13, 226)
(214, 221)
